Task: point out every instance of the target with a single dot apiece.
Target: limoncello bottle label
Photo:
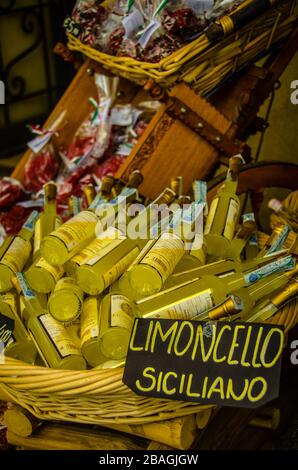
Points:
(89, 321)
(211, 215)
(112, 274)
(165, 254)
(188, 308)
(78, 228)
(121, 312)
(231, 219)
(279, 241)
(103, 244)
(58, 336)
(283, 264)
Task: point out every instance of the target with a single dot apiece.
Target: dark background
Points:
(34, 77)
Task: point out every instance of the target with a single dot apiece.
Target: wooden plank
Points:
(178, 433)
(52, 436)
(169, 148)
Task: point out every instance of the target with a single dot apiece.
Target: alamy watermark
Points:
(2, 92)
(294, 94)
(294, 354)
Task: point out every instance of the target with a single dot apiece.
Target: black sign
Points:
(234, 364)
(6, 330)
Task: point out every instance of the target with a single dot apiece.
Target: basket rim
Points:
(77, 44)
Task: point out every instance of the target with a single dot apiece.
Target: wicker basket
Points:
(205, 62)
(99, 396)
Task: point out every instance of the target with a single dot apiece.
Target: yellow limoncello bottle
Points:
(17, 253)
(149, 275)
(71, 237)
(19, 344)
(196, 256)
(103, 238)
(113, 254)
(273, 304)
(106, 261)
(196, 296)
(23, 312)
(224, 212)
(240, 240)
(251, 295)
(116, 321)
(123, 284)
(42, 276)
(66, 301)
(51, 338)
(48, 220)
(221, 268)
(89, 334)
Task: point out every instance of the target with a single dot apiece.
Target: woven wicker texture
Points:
(99, 396)
(201, 64)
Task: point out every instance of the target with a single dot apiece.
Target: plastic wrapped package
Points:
(11, 191)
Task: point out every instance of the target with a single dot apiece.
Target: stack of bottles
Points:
(73, 289)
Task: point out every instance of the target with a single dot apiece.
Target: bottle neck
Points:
(27, 230)
(289, 292)
(231, 306)
(90, 194)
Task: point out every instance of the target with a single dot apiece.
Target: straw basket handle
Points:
(229, 23)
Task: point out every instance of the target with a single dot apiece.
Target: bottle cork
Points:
(107, 184)
(135, 179)
(90, 194)
(177, 185)
(50, 191)
(247, 229)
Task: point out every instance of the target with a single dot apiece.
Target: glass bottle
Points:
(51, 338)
(17, 252)
(240, 240)
(20, 345)
(224, 212)
(116, 321)
(275, 303)
(66, 301)
(90, 332)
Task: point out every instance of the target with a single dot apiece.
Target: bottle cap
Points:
(166, 197)
(106, 185)
(117, 188)
(135, 179)
(177, 185)
(184, 200)
(235, 164)
(230, 307)
(275, 205)
(50, 191)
